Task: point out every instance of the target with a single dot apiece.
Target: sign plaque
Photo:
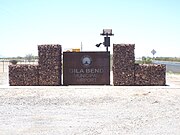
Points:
(86, 68)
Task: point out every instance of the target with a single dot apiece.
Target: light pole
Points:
(107, 33)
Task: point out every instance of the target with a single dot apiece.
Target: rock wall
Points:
(49, 65)
(123, 64)
(46, 73)
(23, 75)
(127, 73)
(158, 74)
(151, 74)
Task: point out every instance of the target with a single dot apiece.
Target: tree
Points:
(29, 57)
(146, 60)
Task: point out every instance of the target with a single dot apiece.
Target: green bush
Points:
(145, 60)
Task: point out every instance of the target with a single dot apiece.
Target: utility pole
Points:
(81, 46)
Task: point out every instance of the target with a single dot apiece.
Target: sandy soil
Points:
(3, 78)
(173, 79)
(91, 110)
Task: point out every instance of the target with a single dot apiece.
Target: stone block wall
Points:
(127, 73)
(142, 75)
(49, 65)
(46, 73)
(123, 64)
(158, 74)
(23, 75)
(150, 75)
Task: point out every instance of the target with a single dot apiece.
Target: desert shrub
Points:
(14, 62)
(145, 60)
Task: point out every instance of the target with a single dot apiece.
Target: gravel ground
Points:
(3, 78)
(92, 110)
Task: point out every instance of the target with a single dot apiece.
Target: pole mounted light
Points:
(106, 33)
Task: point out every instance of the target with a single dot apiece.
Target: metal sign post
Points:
(153, 52)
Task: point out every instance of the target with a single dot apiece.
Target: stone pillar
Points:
(49, 65)
(123, 64)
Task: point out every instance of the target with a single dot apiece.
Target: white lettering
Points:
(88, 71)
(76, 71)
(94, 70)
(85, 75)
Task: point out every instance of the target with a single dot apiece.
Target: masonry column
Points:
(49, 65)
(123, 64)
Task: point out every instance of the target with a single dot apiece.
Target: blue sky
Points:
(150, 24)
